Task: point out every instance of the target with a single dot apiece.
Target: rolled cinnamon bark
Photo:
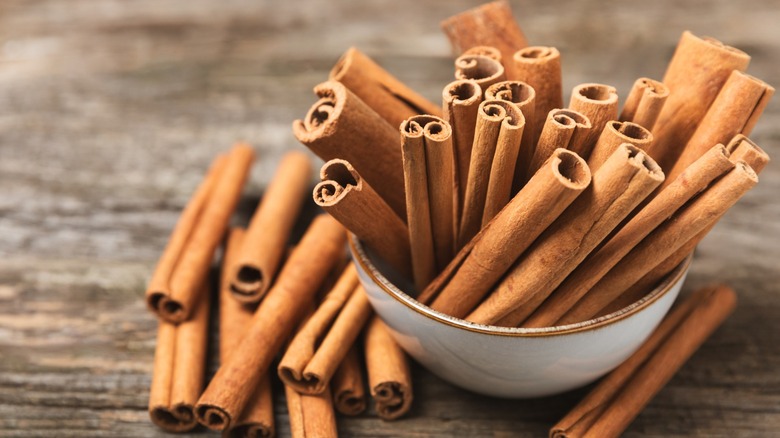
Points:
(318, 348)
(348, 197)
(493, 157)
(429, 179)
(612, 405)
(742, 148)
(493, 251)
(179, 368)
(524, 97)
(697, 71)
(626, 178)
(702, 212)
(613, 135)
(383, 92)
(490, 52)
(280, 311)
(349, 394)
(688, 184)
(389, 377)
(461, 101)
(563, 128)
(540, 67)
(734, 111)
(266, 238)
(644, 103)
(597, 102)
(483, 70)
(311, 415)
(340, 125)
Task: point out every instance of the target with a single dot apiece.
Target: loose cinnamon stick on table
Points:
(179, 368)
(702, 212)
(644, 103)
(563, 128)
(280, 311)
(429, 180)
(696, 178)
(383, 92)
(490, 52)
(697, 71)
(340, 125)
(311, 416)
(389, 377)
(626, 178)
(483, 70)
(349, 395)
(266, 238)
(348, 197)
(613, 135)
(257, 419)
(182, 268)
(614, 403)
(494, 154)
(597, 102)
(540, 67)
(492, 252)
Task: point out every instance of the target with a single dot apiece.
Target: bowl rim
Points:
(380, 280)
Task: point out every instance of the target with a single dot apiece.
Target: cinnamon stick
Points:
(662, 243)
(492, 252)
(348, 197)
(644, 103)
(688, 184)
(389, 377)
(383, 92)
(348, 391)
(613, 135)
(483, 70)
(612, 405)
(182, 268)
(266, 238)
(490, 52)
(311, 416)
(597, 102)
(626, 178)
(742, 148)
(179, 368)
(275, 318)
(540, 67)
(697, 71)
(340, 125)
(497, 140)
(563, 128)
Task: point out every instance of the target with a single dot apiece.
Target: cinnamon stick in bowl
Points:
(563, 128)
(540, 67)
(597, 102)
(388, 372)
(644, 103)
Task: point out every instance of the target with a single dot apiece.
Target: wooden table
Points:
(111, 110)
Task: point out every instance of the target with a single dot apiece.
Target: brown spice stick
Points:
(613, 135)
(697, 71)
(490, 24)
(742, 148)
(278, 314)
(490, 52)
(348, 197)
(563, 128)
(266, 238)
(644, 103)
(696, 178)
(493, 251)
(626, 178)
(340, 125)
(703, 211)
(179, 368)
(738, 104)
(311, 416)
(524, 97)
(540, 67)
(389, 377)
(348, 391)
(493, 157)
(597, 102)
(383, 92)
(483, 70)
(612, 405)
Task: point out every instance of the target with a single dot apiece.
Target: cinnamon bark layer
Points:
(183, 266)
(626, 178)
(644, 103)
(349, 394)
(311, 416)
(614, 403)
(348, 197)
(389, 377)
(340, 125)
(383, 92)
(276, 317)
(540, 67)
(483, 70)
(563, 128)
(597, 102)
(613, 135)
(266, 238)
(742, 148)
(697, 71)
(490, 52)
(492, 252)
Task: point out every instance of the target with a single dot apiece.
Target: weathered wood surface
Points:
(111, 110)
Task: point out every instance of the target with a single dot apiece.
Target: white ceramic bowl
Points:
(512, 362)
